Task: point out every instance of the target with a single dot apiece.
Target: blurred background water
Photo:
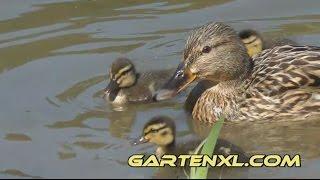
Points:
(54, 56)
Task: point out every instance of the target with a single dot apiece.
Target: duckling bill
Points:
(112, 90)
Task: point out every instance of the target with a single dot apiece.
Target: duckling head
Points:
(213, 52)
(122, 74)
(160, 130)
(252, 40)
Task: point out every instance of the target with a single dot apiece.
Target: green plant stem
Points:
(208, 149)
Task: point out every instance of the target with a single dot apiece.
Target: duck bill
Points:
(178, 82)
(111, 90)
(141, 140)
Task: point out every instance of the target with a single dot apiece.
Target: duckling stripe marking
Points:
(155, 130)
(250, 40)
(123, 71)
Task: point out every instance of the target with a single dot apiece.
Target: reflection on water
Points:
(66, 152)
(53, 67)
(76, 89)
(17, 174)
(17, 137)
(271, 137)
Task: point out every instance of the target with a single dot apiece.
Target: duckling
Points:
(128, 86)
(280, 83)
(255, 42)
(161, 131)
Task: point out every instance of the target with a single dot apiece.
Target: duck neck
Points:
(221, 99)
(167, 149)
(138, 75)
(217, 101)
(227, 87)
(238, 82)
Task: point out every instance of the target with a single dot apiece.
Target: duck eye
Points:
(206, 49)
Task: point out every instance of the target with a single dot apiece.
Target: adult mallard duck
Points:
(126, 85)
(255, 43)
(282, 82)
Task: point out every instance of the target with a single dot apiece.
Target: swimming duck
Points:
(255, 43)
(161, 131)
(128, 86)
(279, 83)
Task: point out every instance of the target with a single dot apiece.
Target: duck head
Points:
(213, 52)
(122, 74)
(252, 40)
(160, 130)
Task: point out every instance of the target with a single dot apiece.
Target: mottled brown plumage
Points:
(282, 82)
(254, 43)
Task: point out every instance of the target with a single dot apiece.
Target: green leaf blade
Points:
(208, 149)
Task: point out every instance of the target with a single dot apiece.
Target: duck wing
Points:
(148, 83)
(285, 68)
(284, 82)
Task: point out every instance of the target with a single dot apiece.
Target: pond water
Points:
(54, 56)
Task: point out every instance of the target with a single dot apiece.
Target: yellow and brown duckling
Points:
(279, 83)
(126, 85)
(255, 42)
(161, 131)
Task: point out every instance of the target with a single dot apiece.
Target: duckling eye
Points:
(164, 133)
(206, 49)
